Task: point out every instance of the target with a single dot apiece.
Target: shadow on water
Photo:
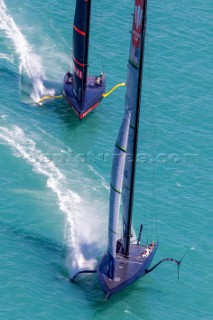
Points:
(34, 239)
(65, 113)
(127, 301)
(92, 121)
(87, 284)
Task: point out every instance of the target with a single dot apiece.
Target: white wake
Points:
(29, 62)
(6, 57)
(82, 227)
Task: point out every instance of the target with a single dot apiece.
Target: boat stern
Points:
(93, 94)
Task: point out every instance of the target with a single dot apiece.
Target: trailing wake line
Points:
(77, 236)
(68, 201)
(29, 62)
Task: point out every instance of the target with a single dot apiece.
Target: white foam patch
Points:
(29, 62)
(4, 117)
(127, 311)
(6, 57)
(79, 235)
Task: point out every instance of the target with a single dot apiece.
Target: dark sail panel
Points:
(80, 46)
(125, 262)
(82, 92)
(135, 69)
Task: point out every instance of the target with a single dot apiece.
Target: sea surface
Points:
(55, 170)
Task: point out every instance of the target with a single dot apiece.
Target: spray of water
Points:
(29, 62)
(82, 239)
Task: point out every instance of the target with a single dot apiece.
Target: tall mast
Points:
(81, 28)
(135, 126)
(86, 53)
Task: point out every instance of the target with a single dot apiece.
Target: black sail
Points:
(133, 99)
(81, 46)
(82, 92)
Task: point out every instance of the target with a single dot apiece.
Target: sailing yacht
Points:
(82, 92)
(126, 259)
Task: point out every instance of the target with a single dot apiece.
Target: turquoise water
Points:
(55, 170)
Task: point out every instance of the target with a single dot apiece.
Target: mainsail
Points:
(124, 162)
(82, 92)
(133, 97)
(116, 189)
(81, 46)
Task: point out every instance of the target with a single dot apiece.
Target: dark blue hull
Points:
(127, 270)
(93, 94)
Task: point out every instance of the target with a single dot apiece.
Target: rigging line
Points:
(102, 40)
(153, 123)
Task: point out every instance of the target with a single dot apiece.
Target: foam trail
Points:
(6, 57)
(69, 151)
(69, 202)
(29, 62)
